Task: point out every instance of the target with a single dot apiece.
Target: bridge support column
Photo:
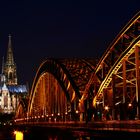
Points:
(81, 109)
(81, 116)
(137, 80)
(123, 113)
(124, 80)
(113, 97)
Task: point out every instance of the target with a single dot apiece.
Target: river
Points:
(36, 133)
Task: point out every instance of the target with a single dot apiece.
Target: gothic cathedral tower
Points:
(10, 66)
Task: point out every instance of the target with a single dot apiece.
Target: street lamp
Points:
(129, 105)
(76, 111)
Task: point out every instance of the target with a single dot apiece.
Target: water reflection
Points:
(36, 133)
(47, 134)
(18, 135)
(57, 134)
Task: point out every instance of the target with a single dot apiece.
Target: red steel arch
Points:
(69, 75)
(113, 71)
(115, 79)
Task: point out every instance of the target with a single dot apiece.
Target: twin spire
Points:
(9, 58)
(9, 67)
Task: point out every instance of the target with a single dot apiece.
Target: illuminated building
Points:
(10, 91)
(10, 66)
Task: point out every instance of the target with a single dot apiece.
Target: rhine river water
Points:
(36, 133)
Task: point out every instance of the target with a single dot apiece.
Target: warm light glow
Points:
(15, 132)
(130, 105)
(18, 135)
(77, 111)
(106, 108)
(58, 114)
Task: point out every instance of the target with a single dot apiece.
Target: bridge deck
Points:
(128, 126)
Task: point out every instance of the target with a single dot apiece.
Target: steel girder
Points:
(121, 49)
(71, 74)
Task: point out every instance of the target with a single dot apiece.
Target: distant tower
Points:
(10, 66)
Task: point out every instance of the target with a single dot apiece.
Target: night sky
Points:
(42, 29)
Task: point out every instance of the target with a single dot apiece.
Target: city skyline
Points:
(64, 29)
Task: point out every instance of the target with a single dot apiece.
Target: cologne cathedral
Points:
(10, 90)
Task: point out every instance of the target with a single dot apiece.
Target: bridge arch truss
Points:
(57, 88)
(65, 86)
(117, 75)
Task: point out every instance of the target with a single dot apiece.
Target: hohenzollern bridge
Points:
(74, 89)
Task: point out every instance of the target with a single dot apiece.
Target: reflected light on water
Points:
(18, 135)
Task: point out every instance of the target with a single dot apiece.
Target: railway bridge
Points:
(88, 90)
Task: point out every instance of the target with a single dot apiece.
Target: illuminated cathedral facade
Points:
(10, 90)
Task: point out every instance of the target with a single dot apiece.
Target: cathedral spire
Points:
(10, 66)
(9, 59)
(2, 70)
